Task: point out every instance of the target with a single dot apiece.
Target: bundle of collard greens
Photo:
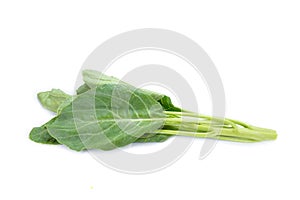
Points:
(107, 113)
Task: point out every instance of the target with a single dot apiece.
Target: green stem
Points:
(198, 116)
(203, 126)
(243, 135)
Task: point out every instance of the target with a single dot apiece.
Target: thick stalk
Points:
(195, 125)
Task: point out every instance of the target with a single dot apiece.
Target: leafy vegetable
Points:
(107, 113)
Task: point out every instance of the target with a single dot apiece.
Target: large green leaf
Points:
(106, 117)
(55, 100)
(94, 78)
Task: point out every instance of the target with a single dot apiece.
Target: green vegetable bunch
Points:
(107, 113)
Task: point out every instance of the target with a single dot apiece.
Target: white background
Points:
(255, 46)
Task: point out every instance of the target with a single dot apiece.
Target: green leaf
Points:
(167, 104)
(53, 99)
(83, 88)
(94, 78)
(41, 135)
(107, 117)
